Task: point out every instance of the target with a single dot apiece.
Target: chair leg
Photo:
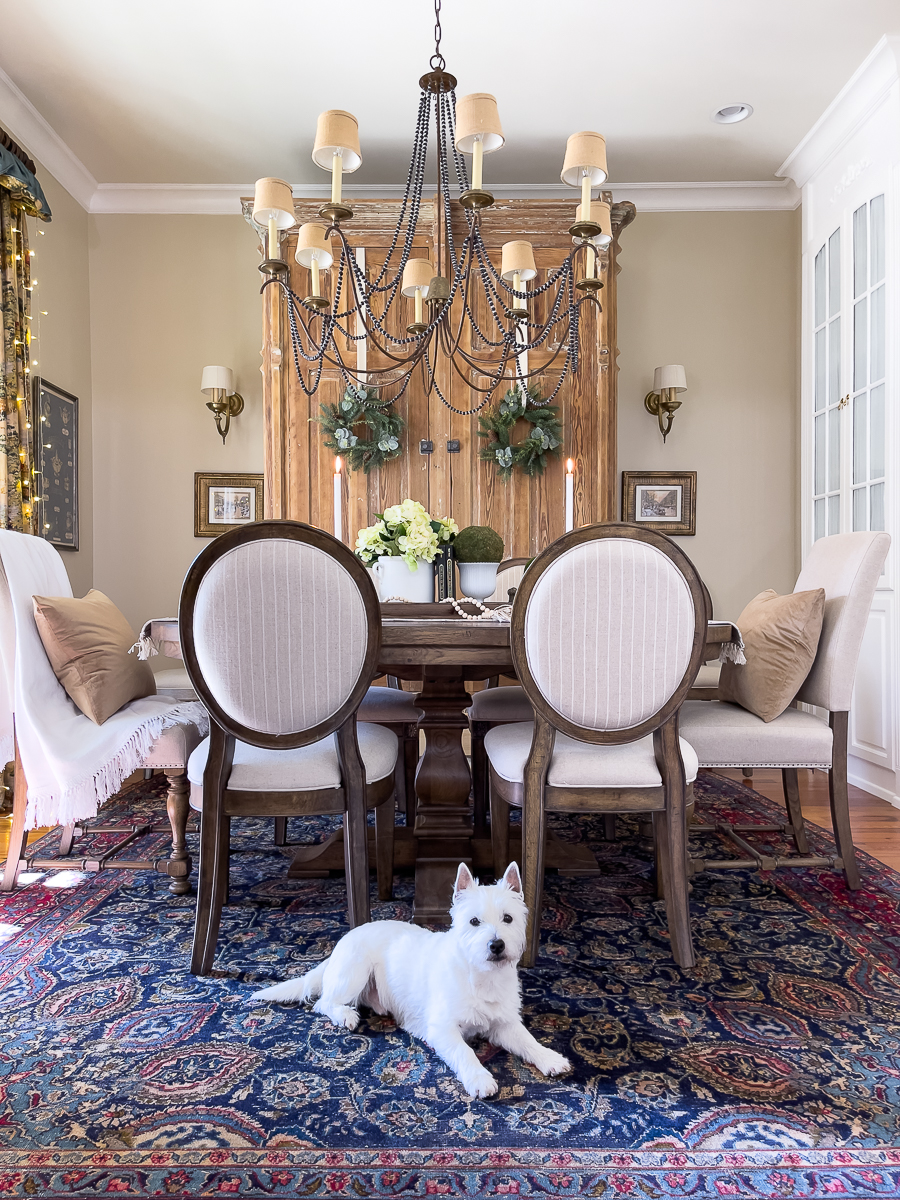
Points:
(66, 838)
(178, 810)
(18, 836)
(410, 762)
(214, 837)
(534, 831)
(840, 804)
(384, 848)
(480, 780)
(356, 837)
(281, 831)
(499, 834)
(609, 827)
(671, 830)
(791, 783)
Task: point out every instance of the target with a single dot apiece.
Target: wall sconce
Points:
(661, 401)
(218, 382)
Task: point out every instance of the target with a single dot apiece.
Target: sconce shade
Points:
(273, 199)
(418, 273)
(601, 216)
(518, 258)
(337, 130)
(313, 244)
(669, 377)
(217, 377)
(477, 114)
(584, 151)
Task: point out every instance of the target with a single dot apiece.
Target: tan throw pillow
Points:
(781, 636)
(87, 642)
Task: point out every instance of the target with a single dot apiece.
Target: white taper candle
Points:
(570, 494)
(338, 502)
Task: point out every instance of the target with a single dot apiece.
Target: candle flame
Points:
(337, 466)
(570, 466)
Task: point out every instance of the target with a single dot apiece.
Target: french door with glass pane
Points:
(849, 349)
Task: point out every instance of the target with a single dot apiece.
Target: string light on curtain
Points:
(443, 298)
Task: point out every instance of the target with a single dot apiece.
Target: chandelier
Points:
(438, 298)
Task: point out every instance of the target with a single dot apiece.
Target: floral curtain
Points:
(20, 194)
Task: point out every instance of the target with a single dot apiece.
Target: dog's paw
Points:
(341, 1015)
(479, 1084)
(550, 1063)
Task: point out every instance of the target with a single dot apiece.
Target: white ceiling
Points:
(217, 92)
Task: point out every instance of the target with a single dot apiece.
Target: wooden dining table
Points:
(441, 653)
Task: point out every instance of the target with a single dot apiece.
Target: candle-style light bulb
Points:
(314, 271)
(274, 247)
(337, 166)
(419, 309)
(477, 163)
(586, 191)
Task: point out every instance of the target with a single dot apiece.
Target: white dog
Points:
(441, 987)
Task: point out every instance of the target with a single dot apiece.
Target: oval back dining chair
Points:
(280, 630)
(608, 632)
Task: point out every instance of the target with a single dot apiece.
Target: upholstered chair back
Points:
(848, 566)
(281, 630)
(509, 575)
(613, 623)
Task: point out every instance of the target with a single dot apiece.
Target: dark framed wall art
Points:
(662, 500)
(54, 423)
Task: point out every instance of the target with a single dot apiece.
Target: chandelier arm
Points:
(460, 412)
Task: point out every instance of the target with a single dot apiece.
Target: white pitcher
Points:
(395, 579)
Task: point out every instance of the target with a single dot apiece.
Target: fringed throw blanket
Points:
(72, 765)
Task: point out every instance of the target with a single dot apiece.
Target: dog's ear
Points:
(511, 878)
(464, 879)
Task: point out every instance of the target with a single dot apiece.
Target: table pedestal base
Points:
(435, 865)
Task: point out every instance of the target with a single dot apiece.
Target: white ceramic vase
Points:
(395, 579)
(477, 579)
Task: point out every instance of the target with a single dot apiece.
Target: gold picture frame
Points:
(224, 500)
(662, 500)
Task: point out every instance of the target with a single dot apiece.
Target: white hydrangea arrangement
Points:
(406, 531)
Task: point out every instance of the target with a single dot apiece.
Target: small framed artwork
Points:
(54, 420)
(224, 501)
(661, 500)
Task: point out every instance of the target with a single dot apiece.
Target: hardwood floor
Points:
(876, 824)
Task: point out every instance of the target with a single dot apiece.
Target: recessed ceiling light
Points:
(732, 113)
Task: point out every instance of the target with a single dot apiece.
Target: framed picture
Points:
(224, 501)
(661, 500)
(54, 421)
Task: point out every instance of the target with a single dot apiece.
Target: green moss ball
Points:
(478, 543)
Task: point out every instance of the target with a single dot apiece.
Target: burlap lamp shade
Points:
(337, 131)
(313, 244)
(600, 215)
(477, 115)
(584, 151)
(517, 259)
(417, 274)
(274, 200)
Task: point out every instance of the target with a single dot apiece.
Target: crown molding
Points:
(225, 199)
(27, 125)
(851, 107)
(43, 143)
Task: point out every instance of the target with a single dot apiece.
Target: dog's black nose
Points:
(497, 947)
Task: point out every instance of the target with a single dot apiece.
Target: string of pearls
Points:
(502, 613)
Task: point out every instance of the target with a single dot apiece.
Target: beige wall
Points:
(63, 342)
(719, 292)
(169, 295)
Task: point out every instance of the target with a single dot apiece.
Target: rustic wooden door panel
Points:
(527, 512)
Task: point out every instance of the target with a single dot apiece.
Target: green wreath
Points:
(361, 405)
(529, 455)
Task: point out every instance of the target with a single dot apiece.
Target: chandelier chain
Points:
(437, 59)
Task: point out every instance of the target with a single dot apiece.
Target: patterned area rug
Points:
(772, 1069)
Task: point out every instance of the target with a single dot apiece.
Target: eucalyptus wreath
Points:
(530, 454)
(361, 405)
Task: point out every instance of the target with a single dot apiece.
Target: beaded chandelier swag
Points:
(439, 297)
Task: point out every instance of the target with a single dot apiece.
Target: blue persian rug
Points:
(771, 1070)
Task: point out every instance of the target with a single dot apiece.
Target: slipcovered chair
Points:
(495, 705)
(847, 566)
(280, 629)
(608, 631)
(66, 765)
